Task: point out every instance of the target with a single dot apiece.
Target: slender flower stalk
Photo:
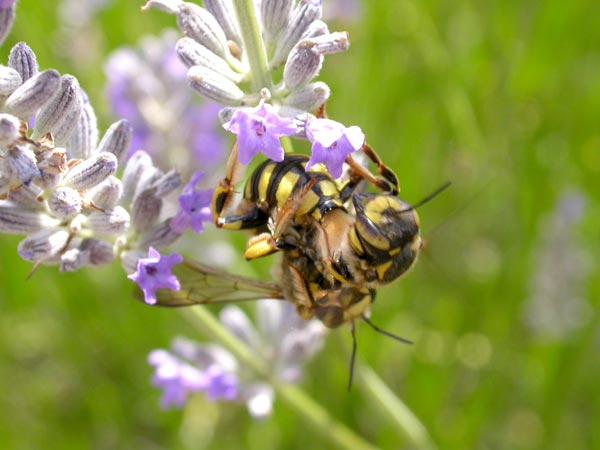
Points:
(311, 411)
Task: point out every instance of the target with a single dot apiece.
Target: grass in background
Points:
(501, 99)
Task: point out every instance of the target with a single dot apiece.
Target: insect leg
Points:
(223, 193)
(387, 181)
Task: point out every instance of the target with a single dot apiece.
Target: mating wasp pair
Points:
(337, 244)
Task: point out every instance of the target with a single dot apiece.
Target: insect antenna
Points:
(385, 333)
(352, 356)
(430, 197)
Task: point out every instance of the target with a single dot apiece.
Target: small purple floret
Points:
(331, 143)
(258, 130)
(220, 385)
(194, 207)
(154, 272)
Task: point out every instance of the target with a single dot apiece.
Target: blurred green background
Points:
(502, 99)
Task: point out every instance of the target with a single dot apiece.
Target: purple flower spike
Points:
(258, 130)
(220, 385)
(154, 272)
(176, 378)
(194, 207)
(331, 143)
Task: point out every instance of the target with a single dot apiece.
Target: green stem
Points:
(410, 426)
(254, 45)
(337, 433)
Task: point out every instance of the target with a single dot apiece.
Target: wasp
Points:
(338, 245)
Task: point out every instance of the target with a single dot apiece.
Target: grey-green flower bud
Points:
(10, 130)
(303, 64)
(222, 10)
(117, 139)
(43, 245)
(168, 6)
(64, 202)
(28, 196)
(200, 25)
(305, 13)
(112, 221)
(63, 131)
(33, 94)
(138, 169)
(145, 209)
(106, 194)
(101, 252)
(167, 183)
(309, 97)
(84, 138)
(317, 28)
(274, 15)
(214, 86)
(59, 108)
(73, 259)
(330, 43)
(159, 236)
(20, 166)
(9, 80)
(192, 53)
(23, 60)
(91, 172)
(18, 220)
(7, 15)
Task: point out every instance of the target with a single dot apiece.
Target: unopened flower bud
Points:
(117, 139)
(309, 97)
(222, 11)
(192, 53)
(53, 114)
(10, 130)
(303, 64)
(9, 80)
(275, 14)
(197, 23)
(168, 6)
(73, 259)
(33, 94)
(17, 220)
(330, 43)
(145, 209)
(317, 28)
(7, 14)
(63, 131)
(84, 138)
(23, 60)
(43, 245)
(106, 194)
(28, 196)
(167, 183)
(159, 236)
(91, 172)
(137, 166)
(20, 166)
(64, 202)
(101, 252)
(112, 221)
(305, 13)
(214, 86)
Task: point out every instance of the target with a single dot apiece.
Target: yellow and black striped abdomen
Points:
(273, 183)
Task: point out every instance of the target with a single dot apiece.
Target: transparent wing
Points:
(201, 283)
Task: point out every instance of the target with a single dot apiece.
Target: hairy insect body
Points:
(332, 259)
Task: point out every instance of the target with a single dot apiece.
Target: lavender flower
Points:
(258, 130)
(331, 143)
(146, 86)
(154, 272)
(282, 338)
(194, 207)
(292, 36)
